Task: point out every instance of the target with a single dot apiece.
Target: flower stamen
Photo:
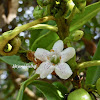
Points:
(51, 50)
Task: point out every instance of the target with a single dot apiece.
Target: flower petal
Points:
(45, 69)
(41, 54)
(63, 70)
(58, 46)
(67, 54)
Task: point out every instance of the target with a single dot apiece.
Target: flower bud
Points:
(77, 35)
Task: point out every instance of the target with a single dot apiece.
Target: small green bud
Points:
(77, 35)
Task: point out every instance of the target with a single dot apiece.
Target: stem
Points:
(44, 26)
(31, 79)
(89, 64)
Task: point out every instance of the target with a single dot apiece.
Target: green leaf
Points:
(45, 41)
(36, 33)
(61, 88)
(49, 91)
(93, 73)
(12, 60)
(81, 18)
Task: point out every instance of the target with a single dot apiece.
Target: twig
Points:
(89, 64)
(44, 26)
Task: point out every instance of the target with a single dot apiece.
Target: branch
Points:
(35, 22)
(44, 26)
(88, 64)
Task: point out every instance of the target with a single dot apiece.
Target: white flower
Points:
(55, 60)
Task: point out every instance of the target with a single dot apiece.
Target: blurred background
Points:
(15, 13)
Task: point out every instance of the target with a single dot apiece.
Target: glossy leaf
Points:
(93, 73)
(46, 41)
(61, 88)
(49, 91)
(34, 35)
(81, 18)
(12, 60)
